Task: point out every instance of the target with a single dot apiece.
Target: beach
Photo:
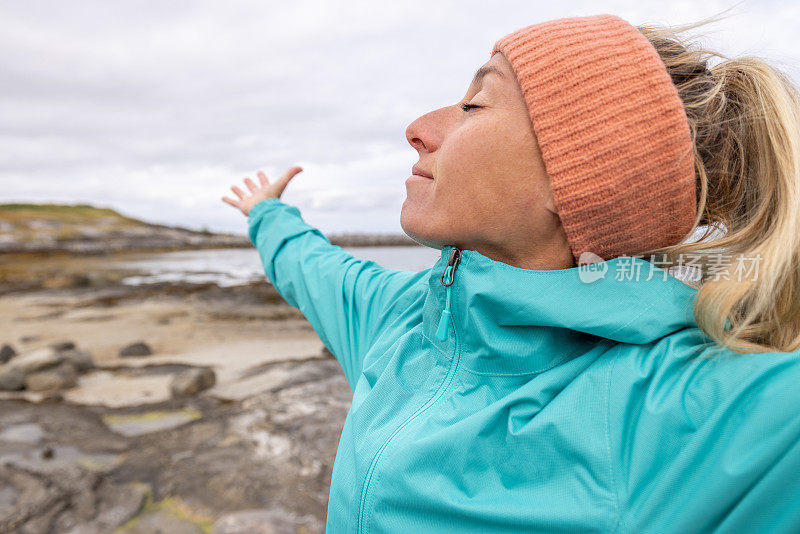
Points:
(153, 380)
(119, 451)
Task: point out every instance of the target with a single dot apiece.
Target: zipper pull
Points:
(449, 272)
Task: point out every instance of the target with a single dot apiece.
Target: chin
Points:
(413, 224)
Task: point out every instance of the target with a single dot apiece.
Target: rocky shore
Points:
(84, 229)
(162, 408)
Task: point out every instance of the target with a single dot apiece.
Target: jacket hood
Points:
(509, 320)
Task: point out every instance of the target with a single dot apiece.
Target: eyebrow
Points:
(483, 71)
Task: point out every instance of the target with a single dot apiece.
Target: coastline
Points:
(258, 445)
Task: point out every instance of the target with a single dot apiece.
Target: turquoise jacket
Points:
(490, 399)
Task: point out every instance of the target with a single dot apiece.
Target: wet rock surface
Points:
(185, 465)
(119, 451)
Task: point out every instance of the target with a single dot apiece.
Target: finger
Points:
(231, 202)
(263, 179)
(238, 192)
(251, 185)
(288, 175)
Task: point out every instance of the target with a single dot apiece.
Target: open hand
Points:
(259, 193)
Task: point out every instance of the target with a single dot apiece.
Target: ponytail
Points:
(744, 117)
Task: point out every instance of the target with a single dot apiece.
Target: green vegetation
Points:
(170, 504)
(67, 213)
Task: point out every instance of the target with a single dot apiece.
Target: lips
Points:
(419, 172)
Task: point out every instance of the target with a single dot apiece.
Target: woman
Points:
(511, 388)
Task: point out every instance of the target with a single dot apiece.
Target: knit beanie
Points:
(612, 131)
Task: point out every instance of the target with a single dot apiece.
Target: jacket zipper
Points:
(449, 271)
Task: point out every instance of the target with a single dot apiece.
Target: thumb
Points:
(284, 180)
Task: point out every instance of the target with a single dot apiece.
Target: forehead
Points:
(496, 68)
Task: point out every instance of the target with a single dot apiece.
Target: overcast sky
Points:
(156, 108)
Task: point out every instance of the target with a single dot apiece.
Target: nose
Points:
(413, 136)
(426, 132)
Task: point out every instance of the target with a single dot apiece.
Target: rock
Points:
(60, 377)
(80, 359)
(146, 422)
(9, 496)
(51, 396)
(59, 281)
(136, 349)
(255, 522)
(23, 433)
(274, 378)
(119, 390)
(192, 381)
(33, 510)
(162, 521)
(63, 499)
(57, 459)
(62, 346)
(118, 505)
(37, 360)
(6, 353)
(28, 339)
(11, 379)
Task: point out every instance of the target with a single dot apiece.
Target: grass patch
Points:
(191, 413)
(74, 213)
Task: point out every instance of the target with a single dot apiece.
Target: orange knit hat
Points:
(612, 131)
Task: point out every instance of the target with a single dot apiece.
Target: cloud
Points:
(157, 108)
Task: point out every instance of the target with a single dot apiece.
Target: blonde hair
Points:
(744, 116)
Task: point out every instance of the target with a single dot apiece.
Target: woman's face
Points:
(489, 190)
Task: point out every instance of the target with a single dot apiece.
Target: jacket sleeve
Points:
(707, 445)
(348, 301)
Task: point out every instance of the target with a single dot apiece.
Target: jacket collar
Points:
(506, 320)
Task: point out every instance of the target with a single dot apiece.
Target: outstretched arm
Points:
(347, 300)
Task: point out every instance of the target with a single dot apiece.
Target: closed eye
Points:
(467, 107)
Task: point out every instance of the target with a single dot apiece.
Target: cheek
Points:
(466, 165)
(488, 171)
(467, 148)
(485, 160)
(480, 185)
